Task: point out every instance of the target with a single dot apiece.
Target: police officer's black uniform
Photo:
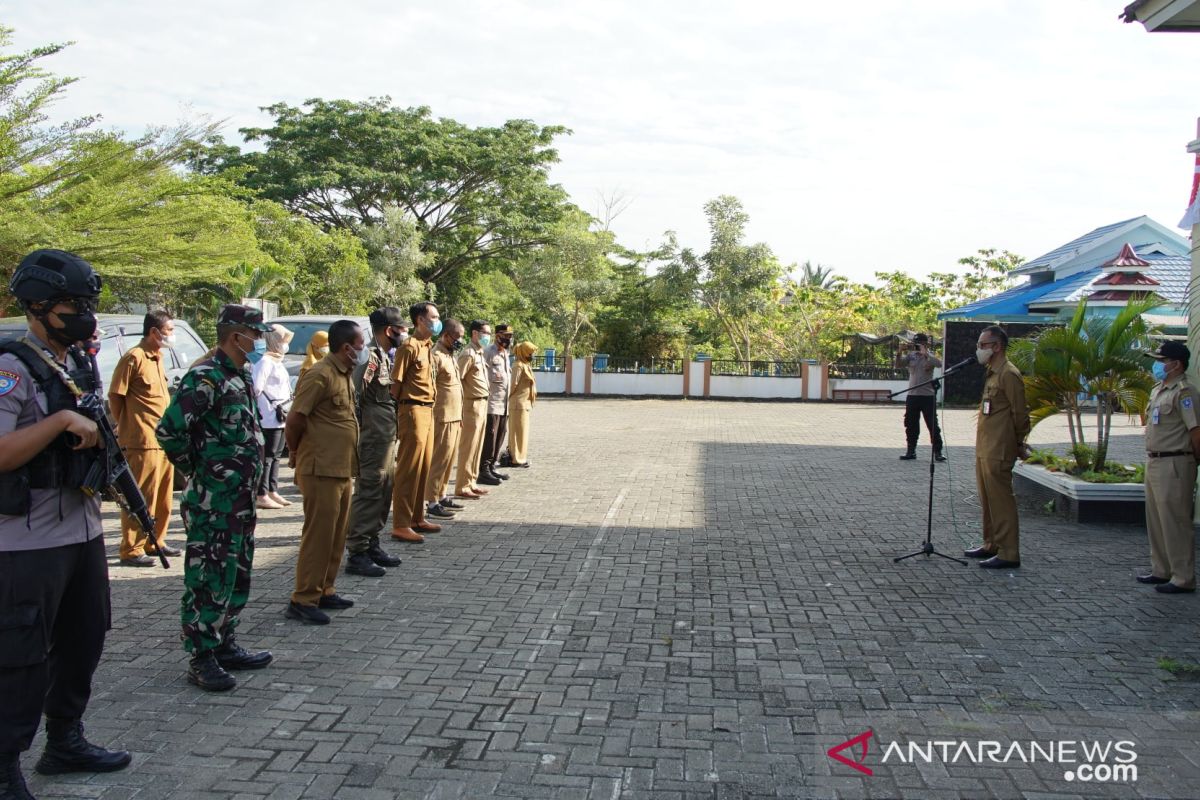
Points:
(54, 598)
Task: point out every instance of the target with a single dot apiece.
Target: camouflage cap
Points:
(234, 314)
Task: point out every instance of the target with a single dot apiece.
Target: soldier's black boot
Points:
(12, 782)
(206, 672)
(363, 564)
(382, 558)
(230, 655)
(67, 751)
(909, 455)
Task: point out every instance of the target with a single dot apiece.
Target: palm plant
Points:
(1098, 357)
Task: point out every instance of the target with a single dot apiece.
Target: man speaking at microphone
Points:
(999, 440)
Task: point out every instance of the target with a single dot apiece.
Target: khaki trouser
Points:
(518, 433)
(470, 446)
(1169, 483)
(155, 477)
(1001, 525)
(372, 492)
(323, 536)
(445, 452)
(414, 452)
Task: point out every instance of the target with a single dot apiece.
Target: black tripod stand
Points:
(927, 549)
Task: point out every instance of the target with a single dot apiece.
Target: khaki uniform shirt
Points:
(376, 407)
(448, 407)
(472, 369)
(413, 370)
(1003, 414)
(524, 388)
(325, 394)
(142, 382)
(499, 375)
(1171, 415)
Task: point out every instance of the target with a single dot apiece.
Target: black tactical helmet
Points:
(53, 274)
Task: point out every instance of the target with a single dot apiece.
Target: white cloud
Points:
(864, 136)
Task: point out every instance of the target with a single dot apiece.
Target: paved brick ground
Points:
(680, 599)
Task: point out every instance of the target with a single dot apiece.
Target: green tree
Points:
(569, 278)
(987, 273)
(475, 194)
(394, 253)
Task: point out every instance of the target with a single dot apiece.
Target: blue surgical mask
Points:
(362, 356)
(435, 327)
(1159, 369)
(485, 340)
(255, 355)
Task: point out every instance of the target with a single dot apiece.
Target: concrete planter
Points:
(1079, 501)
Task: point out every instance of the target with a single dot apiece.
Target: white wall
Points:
(635, 384)
(696, 379)
(740, 386)
(550, 382)
(814, 383)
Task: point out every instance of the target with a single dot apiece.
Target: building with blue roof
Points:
(1055, 283)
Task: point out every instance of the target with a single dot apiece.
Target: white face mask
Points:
(169, 341)
(322, 351)
(983, 355)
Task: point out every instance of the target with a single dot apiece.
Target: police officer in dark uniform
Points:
(54, 607)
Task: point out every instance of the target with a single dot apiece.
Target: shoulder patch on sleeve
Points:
(8, 381)
(1187, 401)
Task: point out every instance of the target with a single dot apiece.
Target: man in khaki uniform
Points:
(322, 436)
(999, 440)
(447, 420)
(472, 368)
(138, 398)
(1172, 448)
(412, 386)
(376, 448)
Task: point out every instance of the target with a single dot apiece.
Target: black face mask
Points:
(458, 345)
(505, 340)
(77, 327)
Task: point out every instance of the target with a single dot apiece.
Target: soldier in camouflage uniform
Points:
(211, 432)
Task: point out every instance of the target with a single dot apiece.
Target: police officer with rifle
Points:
(57, 455)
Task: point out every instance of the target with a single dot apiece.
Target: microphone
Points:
(965, 362)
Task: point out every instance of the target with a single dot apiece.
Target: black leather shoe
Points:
(1170, 588)
(446, 502)
(939, 458)
(979, 552)
(362, 564)
(487, 479)
(436, 510)
(381, 557)
(168, 551)
(138, 561)
(909, 456)
(522, 465)
(231, 655)
(499, 475)
(309, 615)
(12, 782)
(996, 562)
(67, 751)
(206, 672)
(1152, 579)
(334, 602)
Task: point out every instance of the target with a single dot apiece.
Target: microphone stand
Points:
(927, 549)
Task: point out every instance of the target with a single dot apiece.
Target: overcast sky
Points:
(861, 135)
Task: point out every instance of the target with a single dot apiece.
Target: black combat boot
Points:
(909, 455)
(67, 751)
(230, 655)
(382, 558)
(363, 564)
(206, 672)
(12, 782)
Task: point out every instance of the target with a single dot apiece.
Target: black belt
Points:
(1170, 454)
(414, 403)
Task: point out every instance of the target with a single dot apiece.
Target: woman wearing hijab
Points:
(273, 394)
(318, 348)
(520, 402)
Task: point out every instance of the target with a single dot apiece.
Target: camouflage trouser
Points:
(216, 573)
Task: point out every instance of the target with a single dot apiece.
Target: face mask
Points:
(168, 341)
(506, 340)
(76, 328)
(485, 340)
(397, 339)
(458, 345)
(1160, 371)
(362, 356)
(322, 351)
(255, 354)
(983, 355)
(283, 349)
(435, 327)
